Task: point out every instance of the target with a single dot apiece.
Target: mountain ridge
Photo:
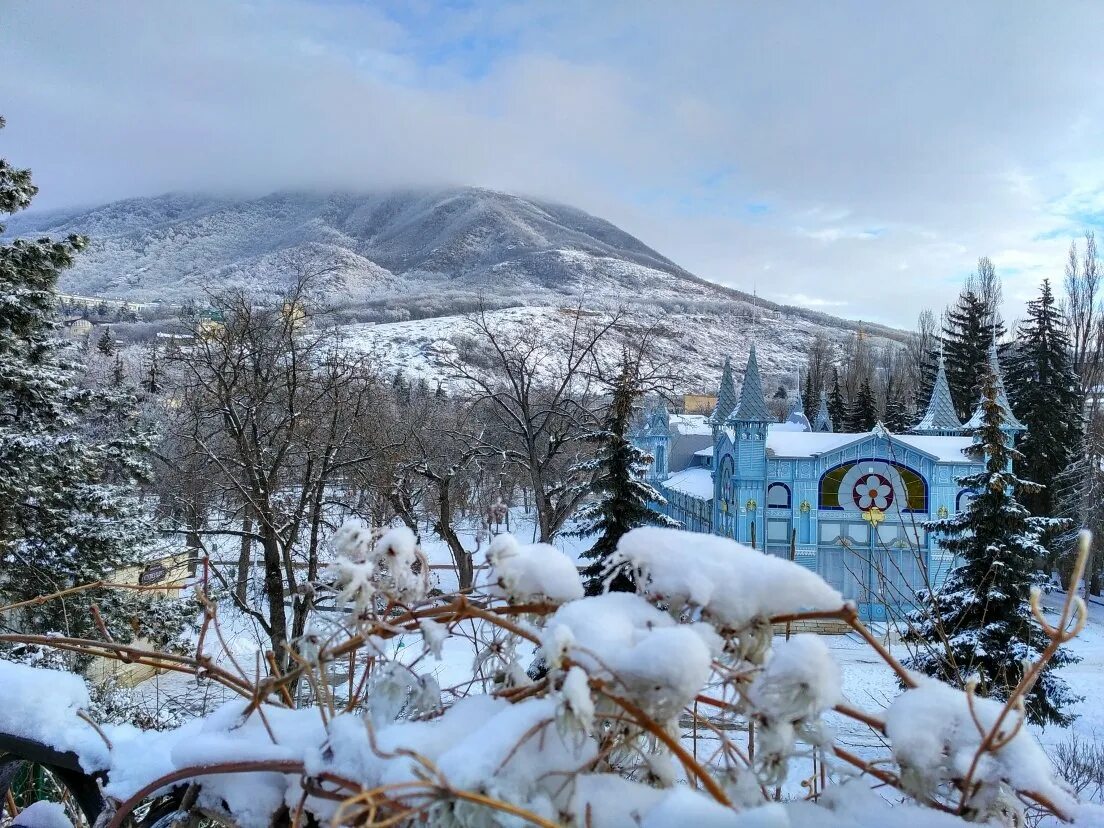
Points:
(414, 261)
(402, 232)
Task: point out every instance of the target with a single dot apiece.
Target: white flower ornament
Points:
(873, 491)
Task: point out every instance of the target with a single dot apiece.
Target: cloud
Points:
(826, 144)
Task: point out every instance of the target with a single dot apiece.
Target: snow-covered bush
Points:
(683, 704)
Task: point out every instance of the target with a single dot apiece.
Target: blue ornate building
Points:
(850, 506)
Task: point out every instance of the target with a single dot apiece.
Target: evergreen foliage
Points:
(897, 418)
(980, 623)
(862, 413)
(810, 396)
(623, 499)
(837, 407)
(1043, 392)
(969, 329)
(106, 343)
(69, 456)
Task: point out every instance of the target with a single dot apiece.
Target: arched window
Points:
(660, 459)
(778, 496)
(889, 486)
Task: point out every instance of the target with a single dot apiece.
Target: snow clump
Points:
(532, 573)
(731, 584)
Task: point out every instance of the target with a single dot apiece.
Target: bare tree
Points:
(539, 399)
(1084, 316)
(274, 403)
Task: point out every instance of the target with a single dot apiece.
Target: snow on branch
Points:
(525, 703)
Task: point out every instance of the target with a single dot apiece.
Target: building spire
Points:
(797, 405)
(753, 405)
(726, 395)
(823, 420)
(940, 418)
(1011, 423)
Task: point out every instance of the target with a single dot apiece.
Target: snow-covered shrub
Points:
(678, 705)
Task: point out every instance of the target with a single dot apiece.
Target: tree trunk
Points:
(274, 587)
(465, 569)
(245, 557)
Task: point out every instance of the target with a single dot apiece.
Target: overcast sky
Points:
(853, 157)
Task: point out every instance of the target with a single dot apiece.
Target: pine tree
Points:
(896, 417)
(837, 407)
(862, 412)
(106, 343)
(970, 327)
(153, 375)
(623, 500)
(810, 397)
(1043, 391)
(68, 455)
(980, 623)
(118, 375)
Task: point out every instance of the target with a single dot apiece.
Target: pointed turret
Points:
(726, 396)
(797, 405)
(796, 415)
(1011, 424)
(753, 405)
(940, 418)
(823, 420)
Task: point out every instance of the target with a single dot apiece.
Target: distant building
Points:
(698, 403)
(853, 506)
(79, 328)
(210, 322)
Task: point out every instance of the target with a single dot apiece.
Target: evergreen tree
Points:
(837, 407)
(896, 418)
(1043, 391)
(809, 397)
(969, 329)
(68, 457)
(153, 374)
(118, 375)
(623, 500)
(106, 343)
(862, 412)
(980, 623)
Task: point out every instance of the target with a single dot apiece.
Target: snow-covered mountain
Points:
(426, 257)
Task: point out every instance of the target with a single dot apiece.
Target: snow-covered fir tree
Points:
(69, 456)
(979, 624)
(969, 328)
(1043, 390)
(622, 497)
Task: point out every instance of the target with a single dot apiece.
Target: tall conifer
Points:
(1043, 391)
(980, 625)
(623, 499)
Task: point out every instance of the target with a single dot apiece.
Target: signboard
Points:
(152, 574)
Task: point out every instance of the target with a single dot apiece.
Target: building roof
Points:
(705, 452)
(690, 424)
(696, 482)
(753, 405)
(940, 418)
(1010, 421)
(726, 395)
(801, 444)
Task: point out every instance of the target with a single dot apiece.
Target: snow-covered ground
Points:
(693, 343)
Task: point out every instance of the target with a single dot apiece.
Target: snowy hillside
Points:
(693, 344)
(420, 259)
